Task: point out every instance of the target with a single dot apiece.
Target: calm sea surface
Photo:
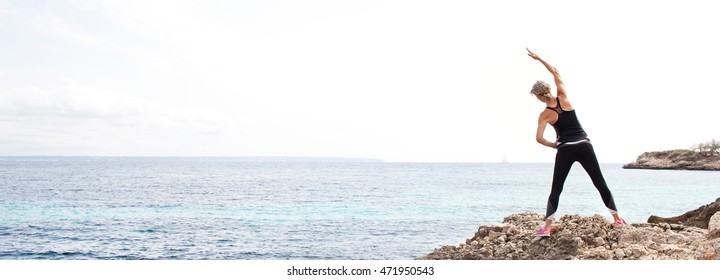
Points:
(224, 208)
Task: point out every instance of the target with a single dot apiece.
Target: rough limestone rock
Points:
(579, 237)
(714, 226)
(697, 218)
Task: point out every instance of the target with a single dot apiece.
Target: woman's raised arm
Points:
(556, 75)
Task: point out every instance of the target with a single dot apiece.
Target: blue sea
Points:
(229, 208)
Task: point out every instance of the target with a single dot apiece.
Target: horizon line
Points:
(279, 159)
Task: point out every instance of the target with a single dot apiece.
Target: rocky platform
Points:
(593, 238)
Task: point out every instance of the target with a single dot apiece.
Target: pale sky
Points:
(427, 81)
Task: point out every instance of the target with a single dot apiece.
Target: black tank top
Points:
(567, 125)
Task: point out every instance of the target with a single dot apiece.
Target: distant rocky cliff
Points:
(675, 159)
(578, 237)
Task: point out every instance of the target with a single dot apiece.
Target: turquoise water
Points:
(224, 208)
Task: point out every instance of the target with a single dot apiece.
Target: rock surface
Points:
(675, 159)
(714, 226)
(594, 238)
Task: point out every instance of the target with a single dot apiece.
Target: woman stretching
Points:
(572, 145)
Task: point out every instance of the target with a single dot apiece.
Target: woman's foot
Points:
(543, 232)
(619, 223)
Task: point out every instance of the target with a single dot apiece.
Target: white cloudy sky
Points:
(397, 80)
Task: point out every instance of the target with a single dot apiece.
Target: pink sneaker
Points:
(543, 232)
(620, 223)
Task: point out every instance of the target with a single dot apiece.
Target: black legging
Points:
(564, 159)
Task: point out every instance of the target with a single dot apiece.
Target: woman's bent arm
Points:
(539, 134)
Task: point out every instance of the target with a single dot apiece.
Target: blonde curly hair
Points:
(541, 88)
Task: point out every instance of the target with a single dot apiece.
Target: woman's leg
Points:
(563, 162)
(589, 162)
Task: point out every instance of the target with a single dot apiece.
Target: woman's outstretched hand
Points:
(532, 54)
